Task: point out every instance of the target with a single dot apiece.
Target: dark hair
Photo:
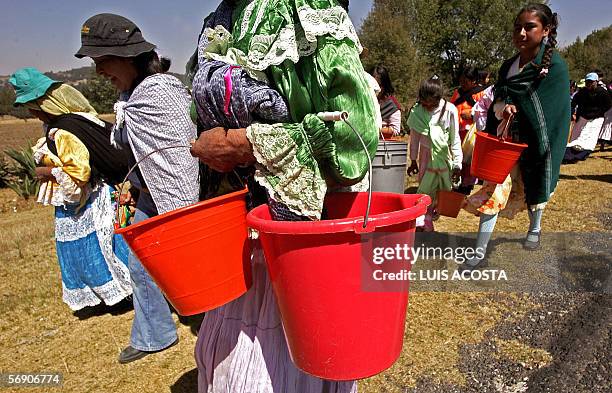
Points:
(344, 4)
(470, 73)
(483, 75)
(548, 19)
(431, 89)
(385, 81)
(149, 63)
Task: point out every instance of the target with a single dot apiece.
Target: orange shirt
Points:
(465, 109)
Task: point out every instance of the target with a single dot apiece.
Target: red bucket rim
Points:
(505, 142)
(182, 210)
(353, 224)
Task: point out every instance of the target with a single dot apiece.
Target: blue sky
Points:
(46, 34)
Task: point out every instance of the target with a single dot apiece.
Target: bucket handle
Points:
(138, 162)
(384, 141)
(134, 167)
(344, 117)
(504, 134)
(132, 170)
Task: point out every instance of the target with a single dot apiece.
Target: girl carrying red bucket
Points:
(533, 90)
(435, 143)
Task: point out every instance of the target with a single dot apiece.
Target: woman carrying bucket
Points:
(72, 160)
(153, 114)
(532, 93)
(435, 145)
(299, 155)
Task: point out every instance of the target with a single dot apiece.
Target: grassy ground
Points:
(39, 333)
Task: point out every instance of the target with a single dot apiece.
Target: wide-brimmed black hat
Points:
(111, 35)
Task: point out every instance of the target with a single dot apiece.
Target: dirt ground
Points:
(555, 335)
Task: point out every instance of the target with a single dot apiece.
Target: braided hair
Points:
(548, 19)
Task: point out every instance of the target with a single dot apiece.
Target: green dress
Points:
(437, 176)
(309, 52)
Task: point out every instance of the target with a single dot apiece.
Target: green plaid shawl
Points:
(543, 121)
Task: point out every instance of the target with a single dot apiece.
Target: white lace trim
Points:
(297, 40)
(76, 227)
(70, 192)
(231, 56)
(50, 193)
(301, 189)
(103, 211)
(333, 21)
(98, 217)
(260, 15)
(40, 150)
(273, 49)
(119, 109)
(248, 11)
(110, 293)
(39, 155)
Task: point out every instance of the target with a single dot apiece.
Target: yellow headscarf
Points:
(61, 100)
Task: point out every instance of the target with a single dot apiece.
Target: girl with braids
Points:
(532, 94)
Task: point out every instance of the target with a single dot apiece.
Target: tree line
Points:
(415, 39)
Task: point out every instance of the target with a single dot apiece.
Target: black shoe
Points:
(532, 245)
(131, 354)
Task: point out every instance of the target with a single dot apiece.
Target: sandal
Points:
(532, 242)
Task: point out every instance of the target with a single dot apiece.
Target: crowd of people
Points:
(530, 103)
(258, 80)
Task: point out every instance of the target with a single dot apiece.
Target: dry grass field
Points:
(447, 334)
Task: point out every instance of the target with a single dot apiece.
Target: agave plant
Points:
(22, 177)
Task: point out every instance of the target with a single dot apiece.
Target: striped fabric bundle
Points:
(249, 100)
(389, 107)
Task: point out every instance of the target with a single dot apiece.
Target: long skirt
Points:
(93, 261)
(585, 134)
(606, 129)
(241, 346)
(507, 199)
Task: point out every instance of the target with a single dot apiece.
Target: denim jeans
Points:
(153, 328)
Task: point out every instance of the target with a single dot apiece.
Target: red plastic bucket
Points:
(199, 255)
(494, 158)
(449, 203)
(334, 329)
